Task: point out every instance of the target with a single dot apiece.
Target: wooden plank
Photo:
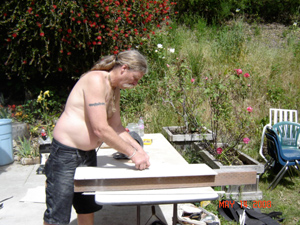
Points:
(141, 183)
(224, 177)
(156, 177)
(234, 177)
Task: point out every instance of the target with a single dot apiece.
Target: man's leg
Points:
(85, 219)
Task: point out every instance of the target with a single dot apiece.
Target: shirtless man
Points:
(91, 117)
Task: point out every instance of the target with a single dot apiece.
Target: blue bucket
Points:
(6, 150)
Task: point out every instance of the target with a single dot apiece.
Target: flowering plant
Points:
(226, 94)
(230, 116)
(14, 112)
(69, 36)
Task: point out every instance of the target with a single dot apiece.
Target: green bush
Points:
(64, 38)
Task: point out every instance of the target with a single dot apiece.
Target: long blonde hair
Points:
(132, 58)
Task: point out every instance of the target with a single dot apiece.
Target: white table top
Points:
(158, 196)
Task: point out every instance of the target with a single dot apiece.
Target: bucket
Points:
(6, 150)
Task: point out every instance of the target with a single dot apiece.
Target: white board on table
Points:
(154, 171)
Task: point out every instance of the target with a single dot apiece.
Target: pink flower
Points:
(246, 140)
(193, 80)
(168, 65)
(238, 71)
(249, 109)
(219, 151)
(246, 75)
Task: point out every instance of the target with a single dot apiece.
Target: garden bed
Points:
(241, 192)
(173, 134)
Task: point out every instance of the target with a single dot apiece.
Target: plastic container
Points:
(141, 127)
(6, 146)
(133, 127)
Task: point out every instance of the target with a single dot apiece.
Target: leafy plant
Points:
(26, 149)
(5, 113)
(181, 93)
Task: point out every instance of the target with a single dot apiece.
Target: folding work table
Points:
(169, 179)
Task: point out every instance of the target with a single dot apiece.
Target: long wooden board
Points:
(181, 176)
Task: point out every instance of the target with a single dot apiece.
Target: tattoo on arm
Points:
(96, 104)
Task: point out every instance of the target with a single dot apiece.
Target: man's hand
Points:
(141, 160)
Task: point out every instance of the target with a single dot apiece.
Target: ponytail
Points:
(133, 59)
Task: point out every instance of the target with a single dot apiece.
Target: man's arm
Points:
(116, 124)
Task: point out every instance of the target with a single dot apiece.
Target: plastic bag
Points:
(190, 214)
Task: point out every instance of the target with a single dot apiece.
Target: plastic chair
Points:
(286, 155)
(288, 133)
(276, 116)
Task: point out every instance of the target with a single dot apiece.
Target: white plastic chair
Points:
(276, 116)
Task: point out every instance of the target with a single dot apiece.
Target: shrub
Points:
(64, 38)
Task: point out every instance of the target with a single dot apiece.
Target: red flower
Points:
(238, 71)
(249, 109)
(69, 53)
(69, 31)
(42, 34)
(219, 151)
(14, 35)
(60, 69)
(246, 140)
(54, 6)
(246, 75)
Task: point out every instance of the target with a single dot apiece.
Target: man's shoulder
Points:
(93, 80)
(97, 73)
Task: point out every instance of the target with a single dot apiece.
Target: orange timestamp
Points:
(255, 204)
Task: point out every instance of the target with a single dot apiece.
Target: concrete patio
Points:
(24, 191)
